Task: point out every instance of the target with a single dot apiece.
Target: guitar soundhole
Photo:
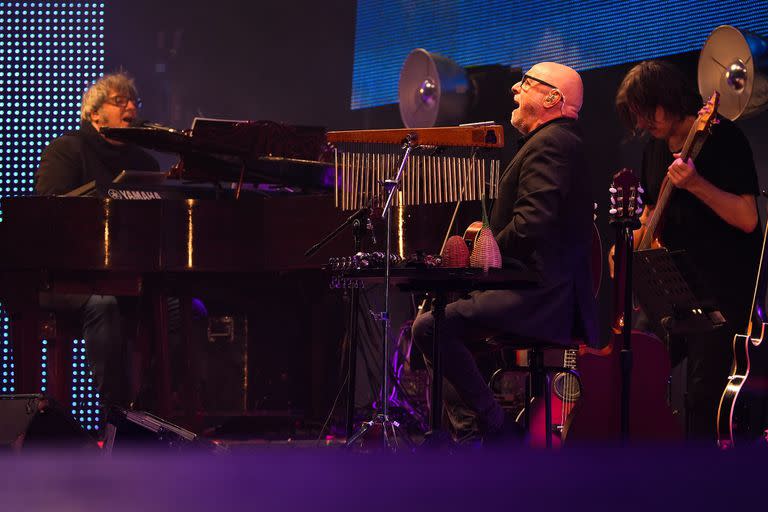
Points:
(566, 387)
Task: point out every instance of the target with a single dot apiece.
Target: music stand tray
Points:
(666, 297)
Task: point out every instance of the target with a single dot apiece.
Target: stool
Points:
(540, 374)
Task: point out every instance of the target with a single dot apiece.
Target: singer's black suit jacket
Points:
(543, 219)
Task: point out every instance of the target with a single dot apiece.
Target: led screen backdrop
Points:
(583, 34)
(49, 53)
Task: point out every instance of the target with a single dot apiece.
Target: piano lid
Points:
(244, 139)
(218, 149)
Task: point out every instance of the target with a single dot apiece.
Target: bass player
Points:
(711, 214)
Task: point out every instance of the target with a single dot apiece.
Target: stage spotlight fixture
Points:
(436, 91)
(734, 62)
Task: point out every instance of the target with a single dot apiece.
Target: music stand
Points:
(665, 295)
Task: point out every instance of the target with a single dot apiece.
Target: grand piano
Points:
(185, 244)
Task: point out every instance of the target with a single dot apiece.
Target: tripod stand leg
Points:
(364, 428)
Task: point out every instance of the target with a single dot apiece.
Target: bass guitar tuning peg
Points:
(612, 190)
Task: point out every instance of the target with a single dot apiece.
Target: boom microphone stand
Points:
(390, 429)
(361, 224)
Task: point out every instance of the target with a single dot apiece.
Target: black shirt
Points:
(79, 157)
(724, 256)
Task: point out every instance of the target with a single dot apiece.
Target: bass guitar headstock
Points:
(626, 198)
(708, 114)
(707, 117)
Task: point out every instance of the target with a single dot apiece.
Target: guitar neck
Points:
(651, 227)
(757, 317)
(569, 358)
(693, 144)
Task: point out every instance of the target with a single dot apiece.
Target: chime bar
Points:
(491, 136)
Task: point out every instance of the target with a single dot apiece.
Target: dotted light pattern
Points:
(585, 35)
(6, 374)
(49, 53)
(85, 399)
(44, 367)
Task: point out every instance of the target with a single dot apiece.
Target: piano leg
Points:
(159, 303)
(191, 330)
(153, 349)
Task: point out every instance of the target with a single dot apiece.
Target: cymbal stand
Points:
(390, 429)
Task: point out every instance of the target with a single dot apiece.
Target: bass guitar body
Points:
(597, 415)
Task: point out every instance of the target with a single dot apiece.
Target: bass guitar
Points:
(697, 135)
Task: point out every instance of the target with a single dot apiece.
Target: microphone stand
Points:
(361, 223)
(390, 429)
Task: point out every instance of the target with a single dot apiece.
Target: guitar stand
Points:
(625, 235)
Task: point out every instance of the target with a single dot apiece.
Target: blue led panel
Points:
(6, 362)
(584, 34)
(85, 399)
(49, 53)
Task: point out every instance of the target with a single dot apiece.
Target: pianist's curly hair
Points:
(119, 82)
(655, 83)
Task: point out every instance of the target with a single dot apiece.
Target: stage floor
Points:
(293, 476)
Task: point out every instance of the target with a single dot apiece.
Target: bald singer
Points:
(542, 219)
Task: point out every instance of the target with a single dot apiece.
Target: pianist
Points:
(75, 159)
(82, 156)
(543, 218)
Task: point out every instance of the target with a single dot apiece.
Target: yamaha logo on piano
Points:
(133, 194)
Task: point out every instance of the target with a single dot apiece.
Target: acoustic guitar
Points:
(597, 414)
(742, 411)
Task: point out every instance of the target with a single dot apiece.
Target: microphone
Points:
(146, 123)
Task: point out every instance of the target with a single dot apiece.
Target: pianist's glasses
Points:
(122, 101)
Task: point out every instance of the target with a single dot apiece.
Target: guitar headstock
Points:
(701, 127)
(707, 116)
(626, 200)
